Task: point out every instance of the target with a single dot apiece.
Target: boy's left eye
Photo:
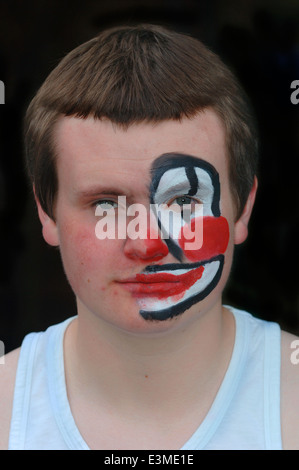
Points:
(183, 200)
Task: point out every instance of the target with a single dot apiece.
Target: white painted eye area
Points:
(174, 188)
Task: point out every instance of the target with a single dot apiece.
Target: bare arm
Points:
(7, 381)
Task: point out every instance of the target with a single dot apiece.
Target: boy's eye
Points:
(186, 206)
(183, 200)
(106, 204)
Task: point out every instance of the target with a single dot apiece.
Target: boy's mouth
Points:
(165, 291)
(164, 282)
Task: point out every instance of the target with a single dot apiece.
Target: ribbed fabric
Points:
(245, 413)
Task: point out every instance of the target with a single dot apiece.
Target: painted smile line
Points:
(160, 281)
(165, 307)
(163, 284)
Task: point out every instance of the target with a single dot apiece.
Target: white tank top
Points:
(245, 414)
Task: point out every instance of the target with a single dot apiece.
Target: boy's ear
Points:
(49, 227)
(241, 226)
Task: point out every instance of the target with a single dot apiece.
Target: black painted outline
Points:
(175, 310)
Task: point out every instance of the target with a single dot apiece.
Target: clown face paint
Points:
(165, 291)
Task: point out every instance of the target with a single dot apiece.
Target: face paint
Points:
(164, 291)
(155, 245)
(164, 284)
(215, 239)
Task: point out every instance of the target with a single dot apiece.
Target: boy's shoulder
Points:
(290, 390)
(8, 368)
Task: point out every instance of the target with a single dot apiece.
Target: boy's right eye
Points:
(105, 207)
(106, 204)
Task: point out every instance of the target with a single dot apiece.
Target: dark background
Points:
(259, 40)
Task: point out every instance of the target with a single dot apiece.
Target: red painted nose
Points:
(150, 249)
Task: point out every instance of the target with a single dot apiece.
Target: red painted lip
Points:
(161, 285)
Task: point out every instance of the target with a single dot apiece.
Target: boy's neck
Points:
(184, 365)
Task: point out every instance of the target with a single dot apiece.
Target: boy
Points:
(142, 117)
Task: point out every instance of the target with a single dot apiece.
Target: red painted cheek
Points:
(215, 238)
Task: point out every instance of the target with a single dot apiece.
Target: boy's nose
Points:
(150, 249)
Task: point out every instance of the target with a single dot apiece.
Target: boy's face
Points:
(129, 203)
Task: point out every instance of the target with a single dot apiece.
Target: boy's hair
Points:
(136, 74)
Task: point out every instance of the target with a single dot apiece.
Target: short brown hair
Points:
(134, 74)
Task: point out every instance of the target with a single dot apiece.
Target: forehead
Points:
(89, 150)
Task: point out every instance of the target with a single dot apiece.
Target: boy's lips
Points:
(162, 284)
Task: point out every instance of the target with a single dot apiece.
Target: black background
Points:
(259, 40)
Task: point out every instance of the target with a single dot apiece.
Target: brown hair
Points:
(134, 74)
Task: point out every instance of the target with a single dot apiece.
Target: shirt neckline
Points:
(58, 393)
(205, 431)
